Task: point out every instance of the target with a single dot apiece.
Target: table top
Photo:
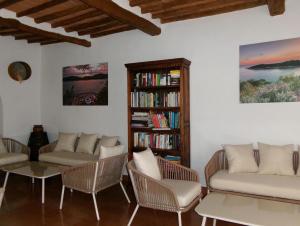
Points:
(34, 169)
(248, 210)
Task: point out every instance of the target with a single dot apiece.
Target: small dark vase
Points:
(38, 138)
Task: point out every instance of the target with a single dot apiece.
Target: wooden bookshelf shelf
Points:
(167, 82)
(153, 130)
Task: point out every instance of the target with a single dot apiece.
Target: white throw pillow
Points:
(66, 142)
(106, 141)
(87, 143)
(3, 149)
(275, 159)
(241, 158)
(146, 163)
(107, 152)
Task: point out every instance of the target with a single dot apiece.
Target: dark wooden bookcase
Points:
(183, 132)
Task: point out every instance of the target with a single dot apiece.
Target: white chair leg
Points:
(179, 218)
(62, 197)
(5, 180)
(203, 221)
(133, 215)
(124, 191)
(96, 206)
(214, 222)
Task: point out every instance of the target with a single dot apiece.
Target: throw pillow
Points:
(87, 143)
(3, 149)
(275, 159)
(241, 158)
(146, 163)
(107, 152)
(106, 141)
(66, 142)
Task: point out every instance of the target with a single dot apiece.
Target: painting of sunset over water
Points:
(270, 72)
(85, 84)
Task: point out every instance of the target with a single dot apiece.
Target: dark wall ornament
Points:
(19, 71)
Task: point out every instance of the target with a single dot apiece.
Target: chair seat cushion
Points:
(67, 158)
(258, 184)
(8, 158)
(186, 191)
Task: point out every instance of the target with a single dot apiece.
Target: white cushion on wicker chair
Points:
(185, 191)
(87, 143)
(258, 184)
(146, 163)
(67, 158)
(275, 159)
(107, 152)
(8, 158)
(2, 147)
(106, 141)
(66, 142)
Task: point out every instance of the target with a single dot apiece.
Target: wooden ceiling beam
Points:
(112, 9)
(40, 7)
(133, 3)
(76, 19)
(50, 42)
(7, 3)
(99, 28)
(59, 14)
(37, 40)
(23, 36)
(9, 33)
(86, 25)
(14, 24)
(112, 31)
(240, 5)
(276, 7)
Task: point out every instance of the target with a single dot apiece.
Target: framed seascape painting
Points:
(85, 84)
(270, 72)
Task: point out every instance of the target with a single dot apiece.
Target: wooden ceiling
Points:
(175, 10)
(86, 17)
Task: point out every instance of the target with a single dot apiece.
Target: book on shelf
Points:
(154, 140)
(149, 79)
(160, 121)
(173, 158)
(155, 99)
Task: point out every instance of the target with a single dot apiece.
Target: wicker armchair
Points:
(95, 176)
(155, 194)
(14, 146)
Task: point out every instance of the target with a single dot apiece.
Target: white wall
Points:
(212, 44)
(19, 103)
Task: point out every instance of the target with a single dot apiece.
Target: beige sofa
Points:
(274, 187)
(16, 152)
(47, 154)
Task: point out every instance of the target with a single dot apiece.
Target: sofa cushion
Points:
(146, 163)
(87, 143)
(8, 158)
(67, 158)
(275, 159)
(258, 184)
(185, 191)
(106, 141)
(107, 152)
(66, 142)
(241, 158)
(2, 147)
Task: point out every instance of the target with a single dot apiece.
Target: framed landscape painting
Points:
(85, 84)
(270, 72)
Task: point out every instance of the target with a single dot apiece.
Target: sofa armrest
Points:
(175, 171)
(213, 166)
(14, 146)
(48, 148)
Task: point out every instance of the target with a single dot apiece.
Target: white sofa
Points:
(47, 154)
(275, 187)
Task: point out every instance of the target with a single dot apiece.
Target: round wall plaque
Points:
(19, 71)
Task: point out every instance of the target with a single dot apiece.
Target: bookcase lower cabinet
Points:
(159, 108)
